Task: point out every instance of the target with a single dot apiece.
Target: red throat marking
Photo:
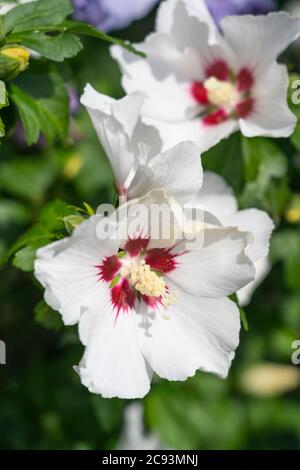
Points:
(109, 268)
(122, 293)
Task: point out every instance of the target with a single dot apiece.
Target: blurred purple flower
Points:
(220, 8)
(108, 15)
(18, 136)
(73, 100)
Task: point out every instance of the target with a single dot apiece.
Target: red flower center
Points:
(223, 94)
(116, 271)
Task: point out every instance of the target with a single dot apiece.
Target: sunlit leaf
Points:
(34, 15)
(57, 48)
(47, 317)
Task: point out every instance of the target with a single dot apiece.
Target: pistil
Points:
(221, 93)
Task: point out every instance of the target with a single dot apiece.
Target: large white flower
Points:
(202, 84)
(146, 303)
(144, 308)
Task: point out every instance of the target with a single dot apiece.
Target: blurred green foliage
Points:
(42, 403)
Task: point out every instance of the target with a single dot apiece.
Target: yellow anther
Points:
(221, 93)
(147, 282)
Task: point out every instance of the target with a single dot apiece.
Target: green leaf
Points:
(3, 103)
(49, 115)
(183, 414)
(108, 412)
(225, 159)
(244, 319)
(37, 14)
(295, 139)
(291, 309)
(12, 212)
(243, 315)
(49, 227)
(2, 128)
(29, 114)
(52, 216)
(263, 160)
(57, 48)
(24, 258)
(2, 27)
(76, 28)
(88, 30)
(47, 317)
(285, 247)
(28, 178)
(292, 272)
(54, 111)
(284, 244)
(265, 170)
(277, 198)
(3, 95)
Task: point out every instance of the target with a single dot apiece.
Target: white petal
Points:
(171, 171)
(168, 96)
(259, 224)
(204, 136)
(217, 269)
(216, 196)
(164, 58)
(125, 111)
(67, 269)
(173, 13)
(272, 116)
(150, 139)
(200, 333)
(114, 122)
(272, 32)
(263, 267)
(113, 365)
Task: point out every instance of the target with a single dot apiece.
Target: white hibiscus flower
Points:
(147, 305)
(143, 303)
(203, 84)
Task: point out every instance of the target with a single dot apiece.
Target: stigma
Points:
(145, 281)
(149, 283)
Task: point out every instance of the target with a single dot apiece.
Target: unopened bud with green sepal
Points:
(72, 221)
(13, 60)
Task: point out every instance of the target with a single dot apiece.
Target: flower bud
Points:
(13, 60)
(72, 221)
